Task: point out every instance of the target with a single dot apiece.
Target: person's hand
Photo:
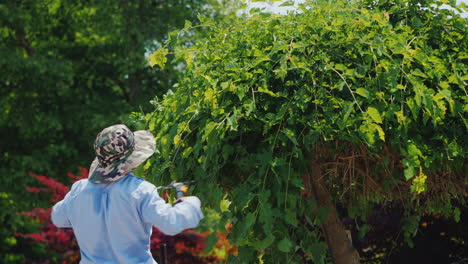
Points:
(180, 200)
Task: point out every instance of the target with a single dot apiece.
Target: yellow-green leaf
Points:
(374, 114)
(265, 90)
(419, 73)
(419, 183)
(158, 57)
(261, 59)
(363, 92)
(147, 165)
(381, 132)
(224, 205)
(188, 24)
(187, 152)
(188, 57)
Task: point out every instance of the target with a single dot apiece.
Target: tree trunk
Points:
(338, 241)
(21, 36)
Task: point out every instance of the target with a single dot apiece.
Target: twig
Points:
(349, 88)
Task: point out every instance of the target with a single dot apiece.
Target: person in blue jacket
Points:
(113, 211)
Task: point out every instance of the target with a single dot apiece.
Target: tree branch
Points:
(25, 43)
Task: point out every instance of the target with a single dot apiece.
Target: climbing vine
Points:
(370, 96)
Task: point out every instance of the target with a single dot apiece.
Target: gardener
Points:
(113, 211)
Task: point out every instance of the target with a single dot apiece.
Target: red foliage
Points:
(187, 247)
(57, 189)
(224, 242)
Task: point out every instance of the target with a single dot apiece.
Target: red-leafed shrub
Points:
(187, 247)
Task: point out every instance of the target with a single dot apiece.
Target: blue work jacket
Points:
(113, 222)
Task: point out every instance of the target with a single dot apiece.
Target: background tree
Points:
(68, 69)
(301, 120)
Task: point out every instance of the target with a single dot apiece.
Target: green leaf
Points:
(147, 165)
(290, 218)
(210, 242)
(413, 150)
(187, 24)
(409, 173)
(232, 122)
(419, 183)
(290, 134)
(224, 205)
(242, 198)
(374, 114)
(363, 230)
(158, 57)
(456, 214)
(265, 243)
(348, 109)
(242, 229)
(446, 93)
(265, 90)
(419, 73)
(318, 250)
(285, 245)
(260, 60)
(249, 221)
(380, 132)
(187, 152)
(210, 126)
(444, 85)
(363, 92)
(188, 57)
(340, 67)
(368, 132)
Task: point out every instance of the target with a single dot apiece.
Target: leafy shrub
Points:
(354, 103)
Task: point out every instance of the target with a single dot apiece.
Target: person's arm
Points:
(171, 220)
(59, 213)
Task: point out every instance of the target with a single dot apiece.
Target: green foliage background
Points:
(69, 69)
(381, 82)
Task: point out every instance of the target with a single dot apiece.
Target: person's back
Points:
(112, 220)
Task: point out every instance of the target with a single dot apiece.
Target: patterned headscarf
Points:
(118, 152)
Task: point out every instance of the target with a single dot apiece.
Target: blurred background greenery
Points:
(68, 69)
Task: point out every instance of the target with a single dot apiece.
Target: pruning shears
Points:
(180, 187)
